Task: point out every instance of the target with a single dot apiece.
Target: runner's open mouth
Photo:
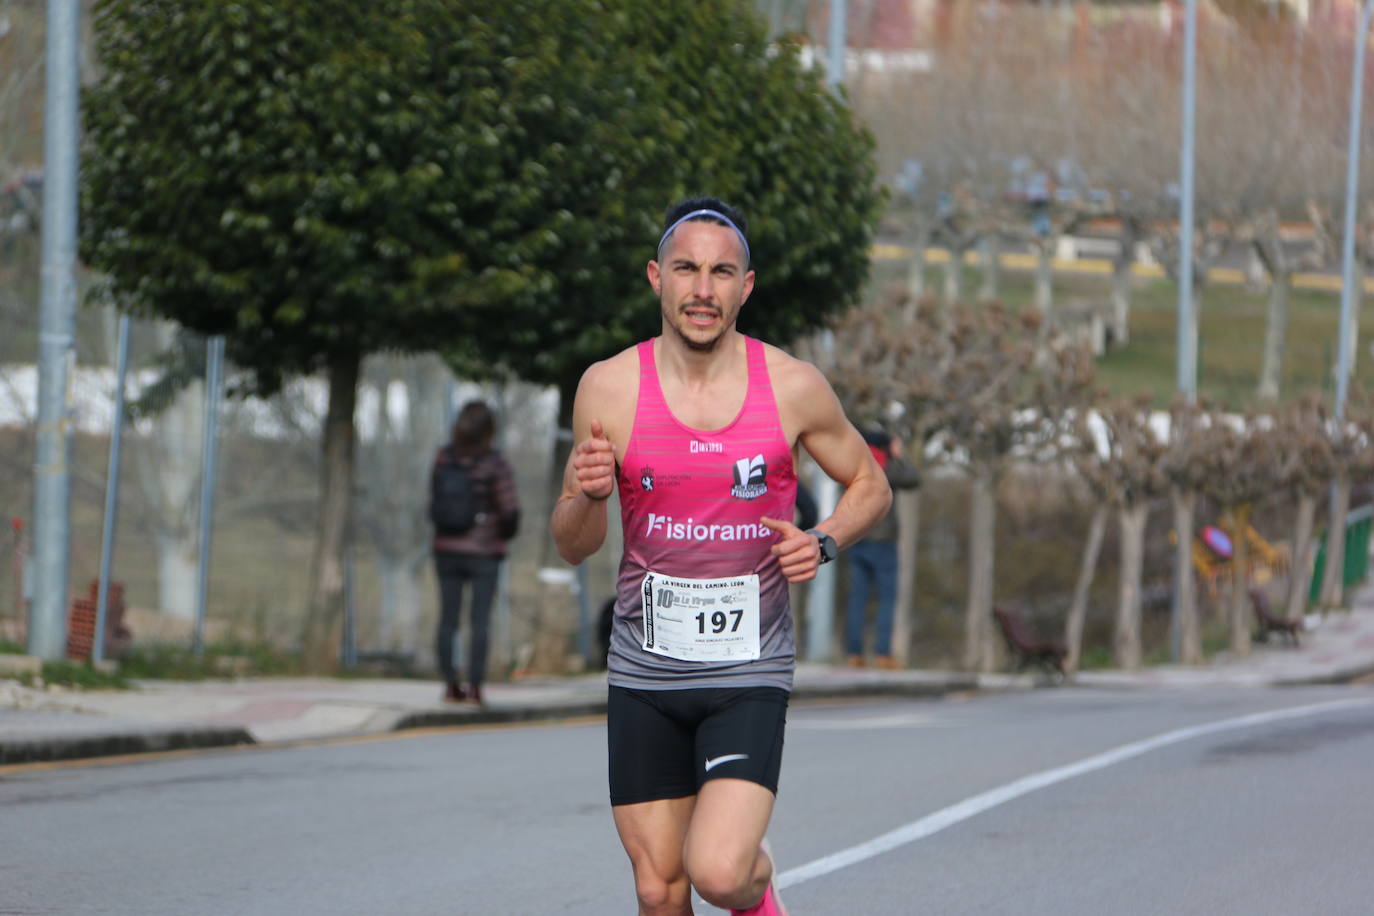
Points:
(701, 315)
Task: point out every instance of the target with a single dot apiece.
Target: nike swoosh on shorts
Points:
(724, 758)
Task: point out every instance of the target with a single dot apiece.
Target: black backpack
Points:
(454, 499)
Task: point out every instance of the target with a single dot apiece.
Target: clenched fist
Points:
(594, 462)
(798, 553)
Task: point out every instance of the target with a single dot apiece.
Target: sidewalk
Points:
(38, 725)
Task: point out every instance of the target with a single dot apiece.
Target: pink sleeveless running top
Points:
(690, 504)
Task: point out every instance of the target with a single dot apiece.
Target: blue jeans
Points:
(872, 566)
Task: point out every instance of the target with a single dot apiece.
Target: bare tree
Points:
(1000, 405)
(1242, 464)
(1264, 166)
(168, 461)
(889, 365)
(1088, 454)
(1263, 233)
(1187, 422)
(1352, 453)
(1306, 470)
(963, 220)
(1135, 478)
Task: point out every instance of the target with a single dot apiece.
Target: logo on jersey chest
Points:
(750, 478)
(646, 479)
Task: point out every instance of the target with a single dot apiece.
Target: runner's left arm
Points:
(833, 442)
(828, 436)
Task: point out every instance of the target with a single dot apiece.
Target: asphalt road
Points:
(1058, 801)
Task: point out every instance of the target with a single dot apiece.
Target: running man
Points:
(700, 428)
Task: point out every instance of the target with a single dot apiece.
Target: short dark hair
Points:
(679, 210)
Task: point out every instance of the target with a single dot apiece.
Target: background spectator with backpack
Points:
(475, 511)
(873, 560)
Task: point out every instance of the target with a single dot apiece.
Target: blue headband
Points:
(712, 213)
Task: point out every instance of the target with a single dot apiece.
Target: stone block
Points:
(16, 665)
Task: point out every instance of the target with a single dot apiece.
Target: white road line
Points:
(977, 804)
(901, 720)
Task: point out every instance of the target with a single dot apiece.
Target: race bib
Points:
(702, 620)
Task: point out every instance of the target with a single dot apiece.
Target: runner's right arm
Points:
(579, 517)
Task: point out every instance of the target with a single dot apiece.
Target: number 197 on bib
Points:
(719, 620)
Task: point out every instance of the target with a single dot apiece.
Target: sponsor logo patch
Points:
(751, 478)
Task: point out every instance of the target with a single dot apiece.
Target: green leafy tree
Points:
(318, 182)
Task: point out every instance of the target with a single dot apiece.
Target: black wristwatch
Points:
(829, 549)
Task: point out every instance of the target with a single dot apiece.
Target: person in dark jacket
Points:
(873, 560)
(472, 558)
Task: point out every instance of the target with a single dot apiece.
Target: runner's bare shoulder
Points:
(801, 390)
(608, 392)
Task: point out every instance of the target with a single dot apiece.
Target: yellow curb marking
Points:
(1102, 267)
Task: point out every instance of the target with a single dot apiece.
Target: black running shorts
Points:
(667, 743)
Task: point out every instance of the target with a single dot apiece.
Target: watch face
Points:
(828, 548)
(827, 545)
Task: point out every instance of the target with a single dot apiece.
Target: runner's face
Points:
(701, 283)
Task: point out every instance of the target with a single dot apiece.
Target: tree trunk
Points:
(954, 277)
(1121, 285)
(545, 645)
(916, 267)
(1255, 272)
(168, 466)
(171, 474)
(991, 252)
(324, 615)
(176, 573)
(1044, 281)
(1240, 582)
(1126, 640)
(1333, 574)
(1302, 557)
(908, 511)
(1044, 297)
(1189, 633)
(1275, 337)
(978, 648)
(1078, 610)
(392, 483)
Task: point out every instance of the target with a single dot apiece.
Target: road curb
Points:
(45, 749)
(886, 689)
(473, 715)
(1339, 676)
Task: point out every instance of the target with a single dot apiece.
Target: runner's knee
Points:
(720, 879)
(661, 895)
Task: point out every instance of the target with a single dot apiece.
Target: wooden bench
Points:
(1026, 646)
(1268, 623)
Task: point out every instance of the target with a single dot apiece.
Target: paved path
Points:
(37, 725)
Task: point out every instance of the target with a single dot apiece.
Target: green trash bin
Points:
(1356, 560)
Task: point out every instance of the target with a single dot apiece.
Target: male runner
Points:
(699, 427)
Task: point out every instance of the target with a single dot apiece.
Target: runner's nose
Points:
(702, 289)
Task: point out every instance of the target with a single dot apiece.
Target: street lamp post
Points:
(56, 348)
(1332, 585)
(839, 15)
(1348, 330)
(1187, 314)
(1187, 317)
(820, 601)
